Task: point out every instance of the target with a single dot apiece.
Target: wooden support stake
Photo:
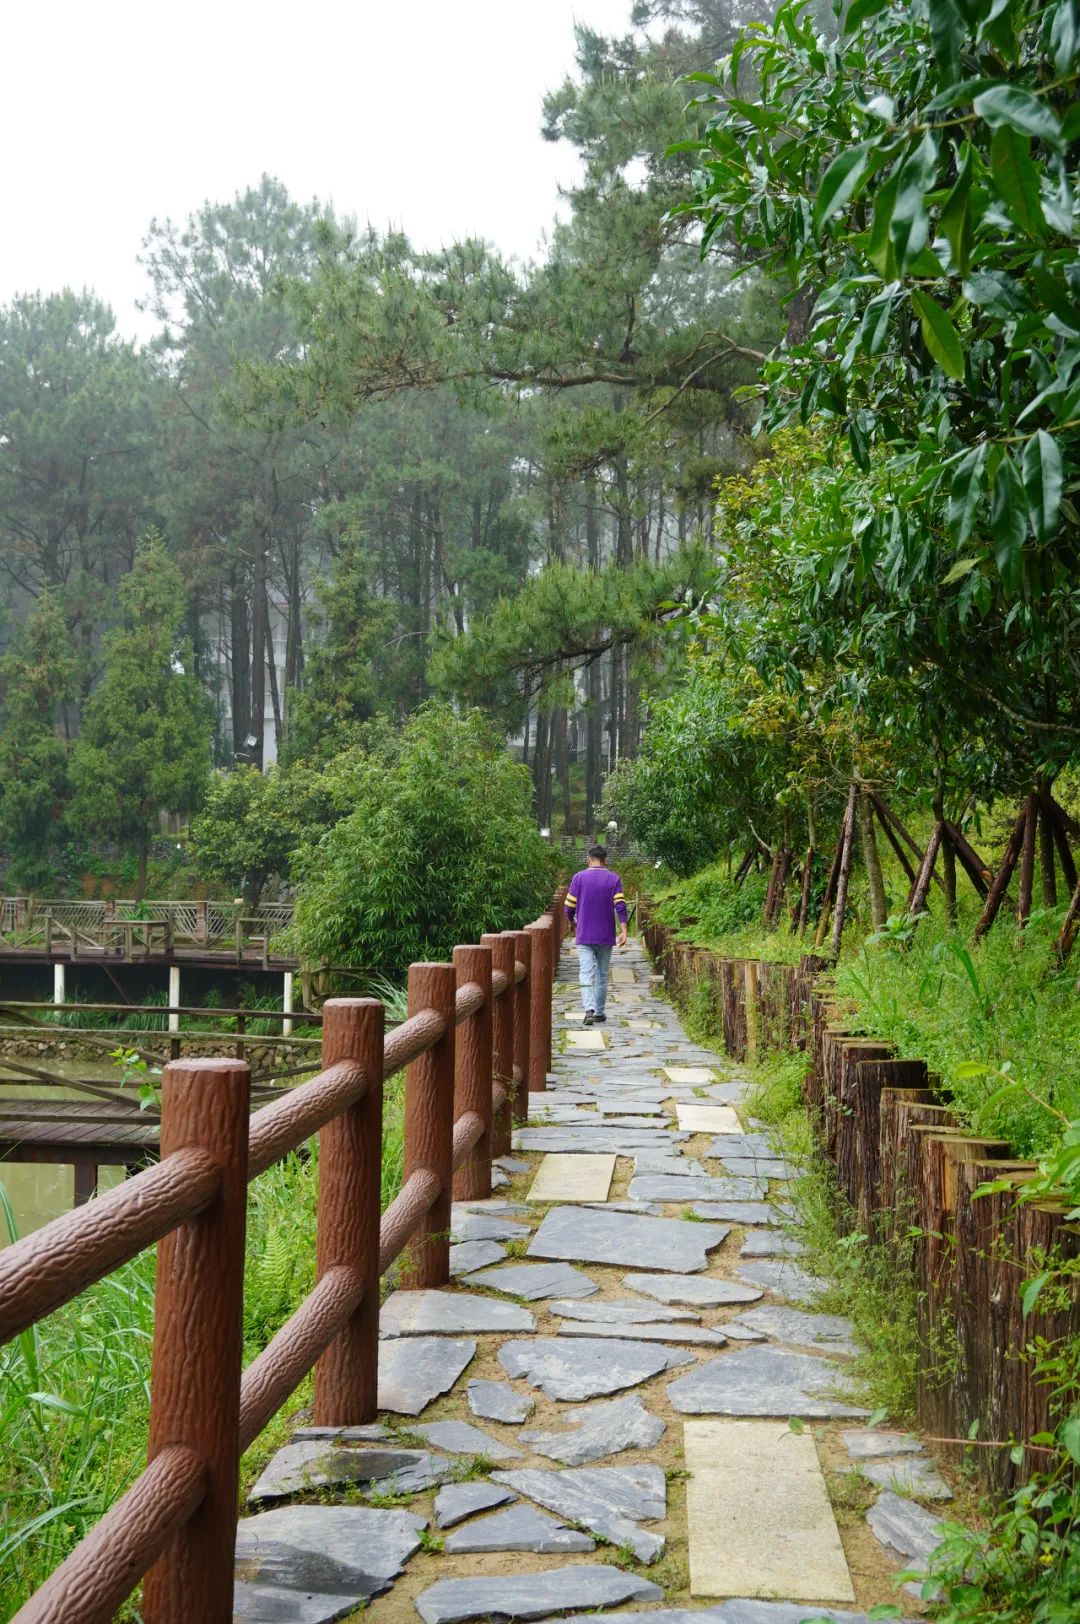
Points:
(916, 903)
(1060, 831)
(350, 1181)
(1000, 883)
(804, 893)
(429, 1125)
(199, 1341)
(539, 1007)
(972, 864)
(891, 836)
(502, 1040)
(472, 1073)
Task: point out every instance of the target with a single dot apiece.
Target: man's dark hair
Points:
(599, 853)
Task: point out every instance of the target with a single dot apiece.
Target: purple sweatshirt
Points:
(594, 898)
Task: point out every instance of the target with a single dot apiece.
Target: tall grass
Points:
(74, 1390)
(1000, 1022)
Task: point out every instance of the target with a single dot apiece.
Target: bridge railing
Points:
(112, 922)
(476, 1041)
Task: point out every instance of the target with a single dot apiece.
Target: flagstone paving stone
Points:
(761, 1167)
(462, 1438)
(531, 1595)
(911, 1474)
(761, 1244)
(793, 1325)
(622, 1311)
(534, 1281)
(609, 1500)
(759, 1516)
(472, 1255)
(597, 1430)
(329, 1555)
(586, 1368)
(647, 1333)
(497, 1401)
(413, 1313)
(522, 1528)
(317, 1463)
(413, 1370)
(763, 1381)
(786, 1279)
(456, 1501)
(740, 1611)
(668, 1187)
(868, 1443)
(906, 1530)
(740, 1212)
(590, 1235)
(692, 1289)
(467, 1225)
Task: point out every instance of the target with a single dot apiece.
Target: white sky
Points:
(416, 113)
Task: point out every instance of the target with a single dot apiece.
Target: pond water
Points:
(38, 1192)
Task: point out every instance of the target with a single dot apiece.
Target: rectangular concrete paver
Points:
(589, 1040)
(706, 1118)
(760, 1522)
(689, 1074)
(568, 1177)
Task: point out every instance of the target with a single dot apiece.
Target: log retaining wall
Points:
(908, 1173)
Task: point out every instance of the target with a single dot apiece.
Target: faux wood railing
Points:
(476, 1041)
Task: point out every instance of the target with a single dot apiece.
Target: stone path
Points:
(603, 1393)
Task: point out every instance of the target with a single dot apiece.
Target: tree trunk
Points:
(239, 663)
(879, 907)
(1047, 865)
(1027, 859)
(844, 875)
(257, 711)
(804, 892)
(271, 671)
(834, 871)
(1063, 946)
(614, 708)
(140, 882)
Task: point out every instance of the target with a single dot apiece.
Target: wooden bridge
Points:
(62, 931)
(476, 1041)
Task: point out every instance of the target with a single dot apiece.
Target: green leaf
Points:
(1029, 1292)
(967, 488)
(1065, 35)
(939, 334)
(955, 219)
(1017, 179)
(909, 228)
(1008, 522)
(1069, 1437)
(879, 249)
(1056, 298)
(841, 181)
(1008, 104)
(948, 30)
(999, 295)
(1043, 479)
(962, 567)
(860, 10)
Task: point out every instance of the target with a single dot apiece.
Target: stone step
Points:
(759, 1519)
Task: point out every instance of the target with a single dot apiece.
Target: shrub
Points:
(440, 846)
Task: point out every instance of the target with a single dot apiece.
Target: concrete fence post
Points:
(198, 1340)
(502, 1039)
(472, 1072)
(429, 1125)
(540, 1006)
(350, 1186)
(523, 943)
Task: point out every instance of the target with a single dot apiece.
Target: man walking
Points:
(593, 902)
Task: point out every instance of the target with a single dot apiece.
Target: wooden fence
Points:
(909, 1173)
(476, 1041)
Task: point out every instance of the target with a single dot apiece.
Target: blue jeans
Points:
(593, 966)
